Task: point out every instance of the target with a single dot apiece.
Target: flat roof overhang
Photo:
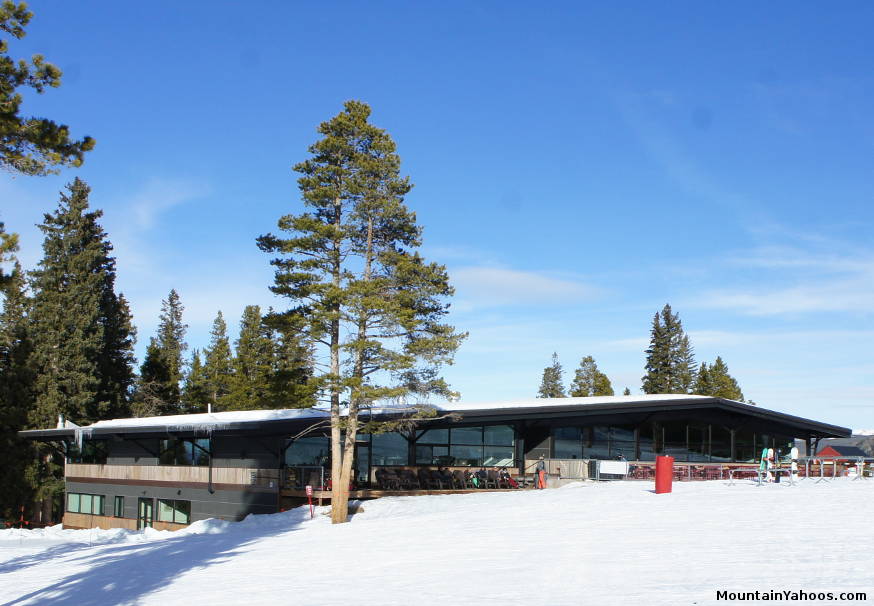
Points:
(789, 424)
(781, 422)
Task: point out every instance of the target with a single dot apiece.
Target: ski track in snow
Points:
(609, 543)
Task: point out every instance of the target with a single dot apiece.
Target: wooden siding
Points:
(242, 476)
(84, 520)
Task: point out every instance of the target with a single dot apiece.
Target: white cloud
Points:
(494, 286)
(159, 195)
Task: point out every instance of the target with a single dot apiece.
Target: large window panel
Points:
(178, 512)
(434, 436)
(498, 435)
(622, 442)
(308, 451)
(467, 435)
(389, 449)
(465, 455)
(73, 502)
(597, 443)
(567, 442)
(498, 456)
(720, 446)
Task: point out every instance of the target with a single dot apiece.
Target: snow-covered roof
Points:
(590, 401)
(214, 418)
(254, 419)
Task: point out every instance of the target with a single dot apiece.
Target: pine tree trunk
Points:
(339, 487)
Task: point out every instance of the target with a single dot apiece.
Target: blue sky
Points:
(575, 167)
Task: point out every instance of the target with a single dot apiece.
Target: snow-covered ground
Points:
(616, 543)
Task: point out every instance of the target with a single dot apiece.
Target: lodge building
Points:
(169, 471)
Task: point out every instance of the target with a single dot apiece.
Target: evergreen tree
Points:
(360, 291)
(670, 361)
(703, 381)
(685, 365)
(8, 247)
(16, 376)
(253, 364)
(116, 360)
(28, 145)
(589, 381)
(171, 338)
(159, 385)
(715, 381)
(195, 393)
(155, 393)
(82, 332)
(291, 384)
(627, 392)
(218, 368)
(551, 385)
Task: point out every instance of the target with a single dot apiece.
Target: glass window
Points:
(498, 435)
(567, 442)
(647, 441)
(184, 451)
(200, 451)
(699, 442)
(720, 447)
(467, 435)
(118, 507)
(470, 456)
(675, 440)
(85, 503)
(498, 456)
(93, 451)
(389, 449)
(309, 450)
(178, 512)
(426, 454)
(435, 436)
(622, 442)
(597, 443)
(745, 446)
(73, 502)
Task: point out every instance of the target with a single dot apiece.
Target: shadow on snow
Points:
(124, 573)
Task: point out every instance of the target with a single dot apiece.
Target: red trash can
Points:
(664, 474)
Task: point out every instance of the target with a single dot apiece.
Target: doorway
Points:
(145, 507)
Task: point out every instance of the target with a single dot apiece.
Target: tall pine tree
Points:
(218, 369)
(16, 377)
(82, 331)
(291, 384)
(589, 381)
(552, 383)
(159, 385)
(195, 391)
(358, 288)
(253, 364)
(670, 360)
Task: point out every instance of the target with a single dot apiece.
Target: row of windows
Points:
(92, 451)
(184, 451)
(169, 510)
(684, 441)
(172, 451)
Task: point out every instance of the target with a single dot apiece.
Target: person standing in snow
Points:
(540, 474)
